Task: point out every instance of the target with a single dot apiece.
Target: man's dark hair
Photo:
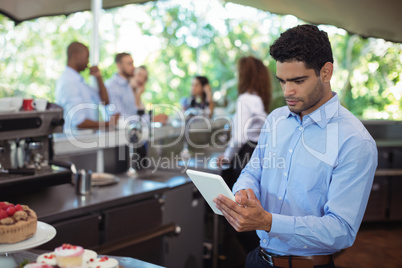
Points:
(119, 56)
(73, 48)
(202, 79)
(305, 43)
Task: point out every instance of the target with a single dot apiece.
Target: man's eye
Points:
(299, 81)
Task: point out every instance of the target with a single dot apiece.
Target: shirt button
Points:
(305, 247)
(290, 150)
(280, 198)
(276, 237)
(300, 128)
(285, 174)
(265, 240)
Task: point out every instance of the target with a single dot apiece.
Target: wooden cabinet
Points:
(186, 208)
(377, 206)
(385, 202)
(83, 231)
(134, 230)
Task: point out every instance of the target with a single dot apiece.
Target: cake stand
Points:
(44, 233)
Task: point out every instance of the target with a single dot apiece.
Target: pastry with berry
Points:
(17, 223)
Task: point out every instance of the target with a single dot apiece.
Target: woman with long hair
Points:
(252, 107)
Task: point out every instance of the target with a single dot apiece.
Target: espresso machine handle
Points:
(64, 164)
(19, 171)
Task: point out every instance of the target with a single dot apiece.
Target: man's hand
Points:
(94, 70)
(246, 214)
(113, 120)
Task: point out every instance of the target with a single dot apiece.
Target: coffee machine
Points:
(26, 149)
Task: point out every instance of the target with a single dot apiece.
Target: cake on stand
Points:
(44, 233)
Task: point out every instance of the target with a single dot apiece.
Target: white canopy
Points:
(21, 10)
(368, 18)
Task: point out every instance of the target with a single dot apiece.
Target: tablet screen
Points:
(210, 186)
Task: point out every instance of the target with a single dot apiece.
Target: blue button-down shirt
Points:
(79, 100)
(121, 95)
(315, 176)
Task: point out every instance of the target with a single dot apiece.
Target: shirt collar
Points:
(323, 114)
(74, 73)
(121, 80)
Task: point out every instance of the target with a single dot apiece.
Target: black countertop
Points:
(60, 202)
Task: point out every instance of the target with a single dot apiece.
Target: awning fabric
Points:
(21, 10)
(368, 18)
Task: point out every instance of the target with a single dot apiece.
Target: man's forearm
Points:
(92, 124)
(102, 90)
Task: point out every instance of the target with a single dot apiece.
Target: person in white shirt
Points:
(79, 100)
(252, 106)
(254, 89)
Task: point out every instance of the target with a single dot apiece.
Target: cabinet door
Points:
(131, 220)
(134, 221)
(83, 231)
(186, 208)
(378, 202)
(396, 187)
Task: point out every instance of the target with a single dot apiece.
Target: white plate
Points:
(44, 233)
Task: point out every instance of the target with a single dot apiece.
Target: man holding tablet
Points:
(306, 187)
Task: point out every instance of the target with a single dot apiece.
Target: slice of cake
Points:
(17, 223)
(69, 256)
(103, 262)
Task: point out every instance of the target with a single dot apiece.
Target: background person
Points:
(201, 96)
(120, 92)
(79, 100)
(252, 106)
(306, 187)
(138, 84)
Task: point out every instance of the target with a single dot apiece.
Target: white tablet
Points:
(210, 186)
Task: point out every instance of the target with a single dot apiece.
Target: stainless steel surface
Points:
(26, 142)
(24, 124)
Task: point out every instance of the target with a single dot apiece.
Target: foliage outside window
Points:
(179, 39)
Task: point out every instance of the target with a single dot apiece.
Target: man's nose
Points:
(288, 89)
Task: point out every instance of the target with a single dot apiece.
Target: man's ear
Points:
(326, 72)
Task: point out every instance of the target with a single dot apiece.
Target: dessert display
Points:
(73, 256)
(17, 223)
(68, 255)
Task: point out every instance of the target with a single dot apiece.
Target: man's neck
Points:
(122, 75)
(72, 66)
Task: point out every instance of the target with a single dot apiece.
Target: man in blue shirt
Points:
(306, 186)
(79, 100)
(126, 87)
(118, 86)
